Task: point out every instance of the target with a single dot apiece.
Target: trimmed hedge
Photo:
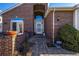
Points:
(69, 37)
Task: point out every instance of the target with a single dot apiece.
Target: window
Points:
(38, 25)
(14, 26)
(17, 26)
(39, 18)
(0, 27)
(39, 29)
(0, 23)
(20, 27)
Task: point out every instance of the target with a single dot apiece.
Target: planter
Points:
(12, 34)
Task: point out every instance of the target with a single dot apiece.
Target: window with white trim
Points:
(17, 26)
(0, 27)
(0, 23)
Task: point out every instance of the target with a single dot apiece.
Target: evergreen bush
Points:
(69, 37)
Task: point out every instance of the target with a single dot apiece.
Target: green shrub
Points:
(69, 37)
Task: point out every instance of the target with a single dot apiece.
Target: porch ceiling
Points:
(39, 9)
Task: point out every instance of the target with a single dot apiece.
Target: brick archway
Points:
(39, 10)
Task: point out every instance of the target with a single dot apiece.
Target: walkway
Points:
(39, 47)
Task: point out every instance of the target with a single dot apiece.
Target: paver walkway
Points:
(40, 48)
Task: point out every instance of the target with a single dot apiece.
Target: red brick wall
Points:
(5, 46)
(65, 17)
(49, 25)
(24, 11)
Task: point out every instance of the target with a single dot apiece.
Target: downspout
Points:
(53, 23)
(75, 19)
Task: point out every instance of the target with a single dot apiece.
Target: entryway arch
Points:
(39, 11)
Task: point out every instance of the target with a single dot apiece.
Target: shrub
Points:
(69, 37)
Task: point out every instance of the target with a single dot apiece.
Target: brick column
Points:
(7, 45)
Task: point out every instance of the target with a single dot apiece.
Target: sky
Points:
(4, 6)
(61, 4)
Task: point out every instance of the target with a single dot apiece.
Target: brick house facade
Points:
(61, 17)
(53, 19)
(27, 12)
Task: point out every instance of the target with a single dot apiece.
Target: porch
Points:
(40, 48)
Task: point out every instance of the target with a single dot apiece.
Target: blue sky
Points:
(4, 6)
(61, 4)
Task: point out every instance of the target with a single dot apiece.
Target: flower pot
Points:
(11, 33)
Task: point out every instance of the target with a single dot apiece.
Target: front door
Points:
(39, 28)
(39, 25)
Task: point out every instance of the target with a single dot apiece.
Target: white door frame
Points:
(36, 27)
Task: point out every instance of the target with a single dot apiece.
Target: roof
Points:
(18, 4)
(76, 6)
(59, 9)
(49, 9)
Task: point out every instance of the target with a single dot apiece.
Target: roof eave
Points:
(58, 9)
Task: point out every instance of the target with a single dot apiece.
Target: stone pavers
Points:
(40, 47)
(58, 51)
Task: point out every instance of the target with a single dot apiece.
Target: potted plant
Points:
(13, 37)
(11, 33)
